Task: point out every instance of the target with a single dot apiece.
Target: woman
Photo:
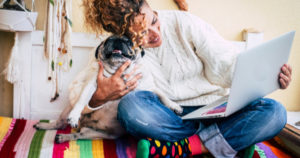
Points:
(193, 65)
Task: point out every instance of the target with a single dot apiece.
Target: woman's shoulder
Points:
(172, 13)
(183, 18)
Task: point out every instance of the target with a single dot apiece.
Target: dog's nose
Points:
(117, 51)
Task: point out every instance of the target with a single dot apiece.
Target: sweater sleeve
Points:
(217, 54)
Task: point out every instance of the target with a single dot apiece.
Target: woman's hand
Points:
(114, 87)
(285, 76)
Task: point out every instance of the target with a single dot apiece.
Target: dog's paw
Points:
(73, 120)
(59, 138)
(178, 109)
(41, 126)
(174, 106)
(37, 126)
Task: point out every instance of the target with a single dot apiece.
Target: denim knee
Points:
(276, 113)
(126, 108)
(143, 115)
(130, 104)
(261, 120)
(126, 102)
(133, 114)
(280, 115)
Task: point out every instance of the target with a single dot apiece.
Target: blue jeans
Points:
(143, 115)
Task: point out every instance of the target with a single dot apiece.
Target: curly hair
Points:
(115, 16)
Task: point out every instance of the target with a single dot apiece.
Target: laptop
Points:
(255, 75)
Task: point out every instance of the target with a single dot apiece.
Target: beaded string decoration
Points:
(57, 42)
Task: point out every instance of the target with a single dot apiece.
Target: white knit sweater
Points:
(194, 64)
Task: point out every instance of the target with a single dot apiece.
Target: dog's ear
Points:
(130, 43)
(142, 51)
(97, 50)
(127, 40)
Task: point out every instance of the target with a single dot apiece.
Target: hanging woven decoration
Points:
(57, 42)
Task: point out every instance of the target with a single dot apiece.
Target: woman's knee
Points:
(127, 103)
(276, 113)
(262, 120)
(279, 114)
(128, 106)
(142, 114)
(134, 113)
(133, 103)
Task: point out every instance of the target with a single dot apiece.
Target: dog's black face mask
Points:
(115, 50)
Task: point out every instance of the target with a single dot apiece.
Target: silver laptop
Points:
(255, 75)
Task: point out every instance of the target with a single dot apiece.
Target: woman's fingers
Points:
(134, 80)
(131, 85)
(286, 70)
(117, 85)
(136, 67)
(128, 86)
(128, 76)
(125, 82)
(128, 89)
(122, 68)
(283, 84)
(284, 77)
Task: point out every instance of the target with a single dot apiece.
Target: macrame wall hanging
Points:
(57, 42)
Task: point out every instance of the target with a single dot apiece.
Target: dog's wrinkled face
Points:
(116, 50)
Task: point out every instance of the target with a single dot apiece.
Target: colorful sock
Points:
(155, 148)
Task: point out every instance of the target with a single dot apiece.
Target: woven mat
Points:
(19, 139)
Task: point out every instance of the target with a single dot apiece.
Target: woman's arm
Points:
(219, 55)
(114, 87)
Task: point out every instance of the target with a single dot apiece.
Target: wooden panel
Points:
(6, 89)
(22, 87)
(290, 139)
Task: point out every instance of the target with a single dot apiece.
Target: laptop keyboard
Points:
(217, 106)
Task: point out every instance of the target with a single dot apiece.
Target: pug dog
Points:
(102, 122)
